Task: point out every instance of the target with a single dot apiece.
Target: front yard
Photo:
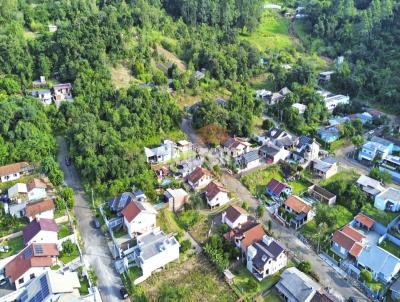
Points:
(14, 244)
(193, 280)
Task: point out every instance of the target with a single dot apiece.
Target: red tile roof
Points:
(131, 211)
(297, 205)
(276, 187)
(233, 212)
(13, 168)
(356, 249)
(35, 255)
(213, 189)
(35, 183)
(247, 233)
(197, 174)
(353, 233)
(37, 207)
(364, 220)
(37, 225)
(350, 239)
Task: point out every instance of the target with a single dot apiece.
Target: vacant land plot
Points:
(347, 176)
(192, 280)
(167, 222)
(169, 56)
(390, 247)
(271, 33)
(14, 244)
(121, 76)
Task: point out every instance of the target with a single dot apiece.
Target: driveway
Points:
(96, 251)
(328, 276)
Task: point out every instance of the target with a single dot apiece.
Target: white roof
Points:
(18, 188)
(64, 282)
(367, 181)
(176, 193)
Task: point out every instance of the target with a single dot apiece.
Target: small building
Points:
(391, 164)
(199, 178)
(281, 138)
(333, 100)
(18, 193)
(295, 286)
(329, 134)
(176, 198)
(250, 160)
(370, 186)
(228, 276)
(265, 257)
(348, 241)
(245, 235)
(301, 108)
(62, 91)
(273, 153)
(325, 167)
(272, 6)
(117, 204)
(153, 251)
(306, 150)
(187, 167)
(325, 76)
(363, 221)
(36, 189)
(40, 231)
(31, 262)
(184, 146)
(302, 211)
(161, 154)
(263, 94)
(376, 147)
(40, 209)
(15, 171)
(216, 195)
(234, 216)
(44, 95)
(139, 218)
(277, 189)
(39, 83)
(236, 147)
(276, 97)
(52, 28)
(322, 195)
(383, 265)
(388, 200)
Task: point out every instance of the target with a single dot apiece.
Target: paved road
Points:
(328, 276)
(96, 251)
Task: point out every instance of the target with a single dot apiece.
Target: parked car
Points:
(3, 280)
(124, 293)
(96, 223)
(352, 299)
(68, 160)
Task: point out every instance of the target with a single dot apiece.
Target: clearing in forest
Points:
(121, 76)
(171, 58)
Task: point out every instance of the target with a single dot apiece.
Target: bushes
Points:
(189, 218)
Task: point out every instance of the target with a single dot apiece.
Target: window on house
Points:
(20, 281)
(32, 276)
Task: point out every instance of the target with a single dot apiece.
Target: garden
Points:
(14, 246)
(64, 230)
(69, 252)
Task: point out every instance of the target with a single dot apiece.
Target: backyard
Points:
(390, 247)
(14, 244)
(67, 255)
(193, 280)
(382, 217)
(64, 230)
(257, 180)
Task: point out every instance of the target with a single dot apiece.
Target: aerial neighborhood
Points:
(192, 150)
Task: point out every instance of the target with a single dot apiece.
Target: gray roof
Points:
(251, 156)
(390, 194)
(324, 164)
(381, 141)
(270, 149)
(118, 203)
(396, 286)
(297, 284)
(153, 243)
(266, 252)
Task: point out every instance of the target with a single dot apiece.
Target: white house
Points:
(249, 160)
(176, 198)
(388, 200)
(375, 147)
(236, 147)
(165, 152)
(333, 100)
(18, 192)
(273, 153)
(184, 145)
(300, 107)
(45, 96)
(199, 178)
(40, 209)
(370, 186)
(306, 150)
(40, 231)
(31, 262)
(216, 195)
(14, 171)
(265, 257)
(234, 216)
(36, 189)
(139, 218)
(153, 251)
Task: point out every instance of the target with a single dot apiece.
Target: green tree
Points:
(305, 266)
(260, 211)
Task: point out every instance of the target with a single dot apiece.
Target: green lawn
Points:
(273, 297)
(64, 230)
(390, 247)
(346, 175)
(380, 216)
(271, 33)
(167, 222)
(84, 289)
(338, 144)
(119, 233)
(68, 257)
(15, 244)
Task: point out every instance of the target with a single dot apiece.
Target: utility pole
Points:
(94, 208)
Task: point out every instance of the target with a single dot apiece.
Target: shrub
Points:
(304, 266)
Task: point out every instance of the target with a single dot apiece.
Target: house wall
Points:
(332, 171)
(26, 277)
(47, 214)
(44, 237)
(233, 224)
(175, 204)
(339, 249)
(159, 260)
(281, 155)
(37, 193)
(10, 177)
(220, 199)
(141, 224)
(202, 183)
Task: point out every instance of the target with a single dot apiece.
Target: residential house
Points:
(234, 216)
(236, 147)
(139, 195)
(301, 108)
(325, 76)
(273, 153)
(250, 160)
(163, 153)
(43, 95)
(277, 189)
(332, 100)
(36, 189)
(391, 164)
(39, 83)
(322, 195)
(383, 265)
(40, 231)
(187, 167)
(376, 147)
(162, 173)
(245, 235)
(266, 257)
(176, 198)
(306, 150)
(199, 178)
(15, 171)
(363, 221)
(395, 290)
(348, 241)
(18, 193)
(281, 138)
(338, 120)
(62, 91)
(295, 286)
(301, 211)
(364, 117)
(263, 94)
(329, 134)
(184, 146)
(53, 286)
(216, 195)
(370, 186)
(388, 200)
(31, 262)
(117, 204)
(153, 251)
(40, 209)
(325, 167)
(276, 97)
(139, 218)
